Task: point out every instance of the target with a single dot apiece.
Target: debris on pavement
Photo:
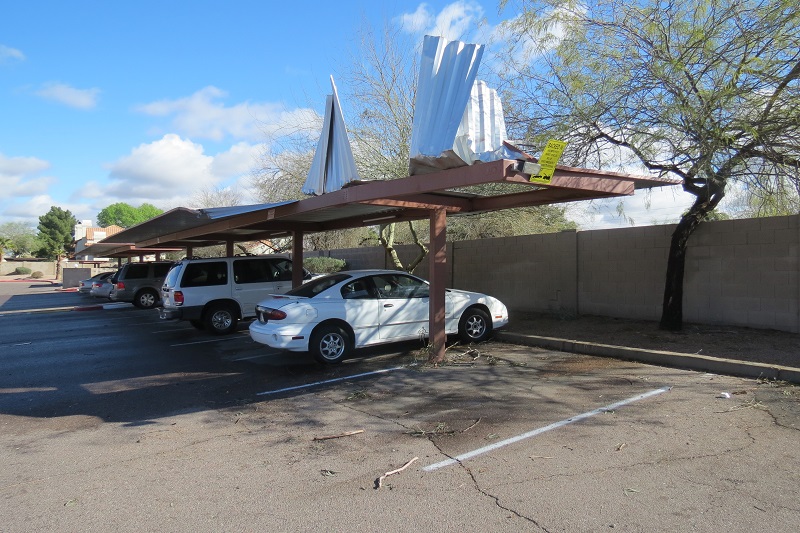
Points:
(379, 481)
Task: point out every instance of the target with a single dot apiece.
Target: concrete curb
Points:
(30, 280)
(704, 363)
(93, 307)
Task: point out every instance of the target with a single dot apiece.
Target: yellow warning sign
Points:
(548, 161)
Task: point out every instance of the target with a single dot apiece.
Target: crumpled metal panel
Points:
(333, 166)
(483, 127)
(447, 73)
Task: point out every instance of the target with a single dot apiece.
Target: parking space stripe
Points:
(555, 425)
(219, 339)
(354, 376)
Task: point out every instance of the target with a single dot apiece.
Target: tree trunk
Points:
(386, 234)
(672, 308)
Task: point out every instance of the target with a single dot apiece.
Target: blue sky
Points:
(150, 101)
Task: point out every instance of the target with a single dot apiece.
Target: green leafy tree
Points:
(5, 244)
(56, 233)
(19, 238)
(125, 215)
(703, 90)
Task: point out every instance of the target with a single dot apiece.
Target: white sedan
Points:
(332, 315)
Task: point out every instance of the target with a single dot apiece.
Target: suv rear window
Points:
(205, 274)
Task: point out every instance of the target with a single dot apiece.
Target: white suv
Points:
(215, 293)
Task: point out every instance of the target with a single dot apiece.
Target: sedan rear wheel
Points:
(330, 344)
(475, 326)
(221, 320)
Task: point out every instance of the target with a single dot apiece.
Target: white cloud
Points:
(240, 159)
(203, 115)
(457, 20)
(36, 206)
(18, 176)
(171, 170)
(70, 96)
(169, 167)
(8, 54)
(418, 21)
(661, 205)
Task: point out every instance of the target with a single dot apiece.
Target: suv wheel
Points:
(221, 319)
(146, 299)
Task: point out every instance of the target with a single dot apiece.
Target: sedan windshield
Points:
(314, 287)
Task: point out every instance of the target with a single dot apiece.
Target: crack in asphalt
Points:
(496, 499)
(486, 493)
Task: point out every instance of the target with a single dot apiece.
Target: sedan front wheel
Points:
(475, 326)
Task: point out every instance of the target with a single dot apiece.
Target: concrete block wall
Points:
(621, 272)
(744, 273)
(528, 273)
(738, 272)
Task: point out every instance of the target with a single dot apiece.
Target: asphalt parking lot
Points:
(112, 419)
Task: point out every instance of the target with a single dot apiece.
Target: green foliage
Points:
(21, 271)
(37, 275)
(19, 238)
(125, 215)
(56, 232)
(705, 91)
(324, 265)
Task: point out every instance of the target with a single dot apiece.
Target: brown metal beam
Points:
(438, 278)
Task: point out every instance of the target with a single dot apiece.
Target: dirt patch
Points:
(743, 344)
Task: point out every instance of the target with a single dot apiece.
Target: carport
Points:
(453, 192)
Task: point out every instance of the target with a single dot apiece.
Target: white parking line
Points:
(252, 357)
(219, 339)
(307, 385)
(512, 440)
(173, 329)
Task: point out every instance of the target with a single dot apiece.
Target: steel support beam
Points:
(297, 258)
(438, 280)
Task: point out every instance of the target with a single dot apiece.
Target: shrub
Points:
(324, 265)
(22, 271)
(38, 274)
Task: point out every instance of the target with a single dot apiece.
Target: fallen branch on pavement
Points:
(345, 434)
(379, 481)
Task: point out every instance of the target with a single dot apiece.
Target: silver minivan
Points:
(214, 294)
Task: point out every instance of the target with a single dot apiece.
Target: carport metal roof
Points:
(455, 191)
(369, 203)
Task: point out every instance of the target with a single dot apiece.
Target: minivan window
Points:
(137, 270)
(160, 269)
(205, 274)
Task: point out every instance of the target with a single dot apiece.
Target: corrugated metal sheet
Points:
(333, 166)
(447, 72)
(483, 127)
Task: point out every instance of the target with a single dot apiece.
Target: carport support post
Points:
(228, 248)
(297, 258)
(438, 274)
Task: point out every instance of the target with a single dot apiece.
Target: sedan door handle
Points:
(388, 305)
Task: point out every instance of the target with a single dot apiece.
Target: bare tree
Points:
(704, 90)
(217, 197)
